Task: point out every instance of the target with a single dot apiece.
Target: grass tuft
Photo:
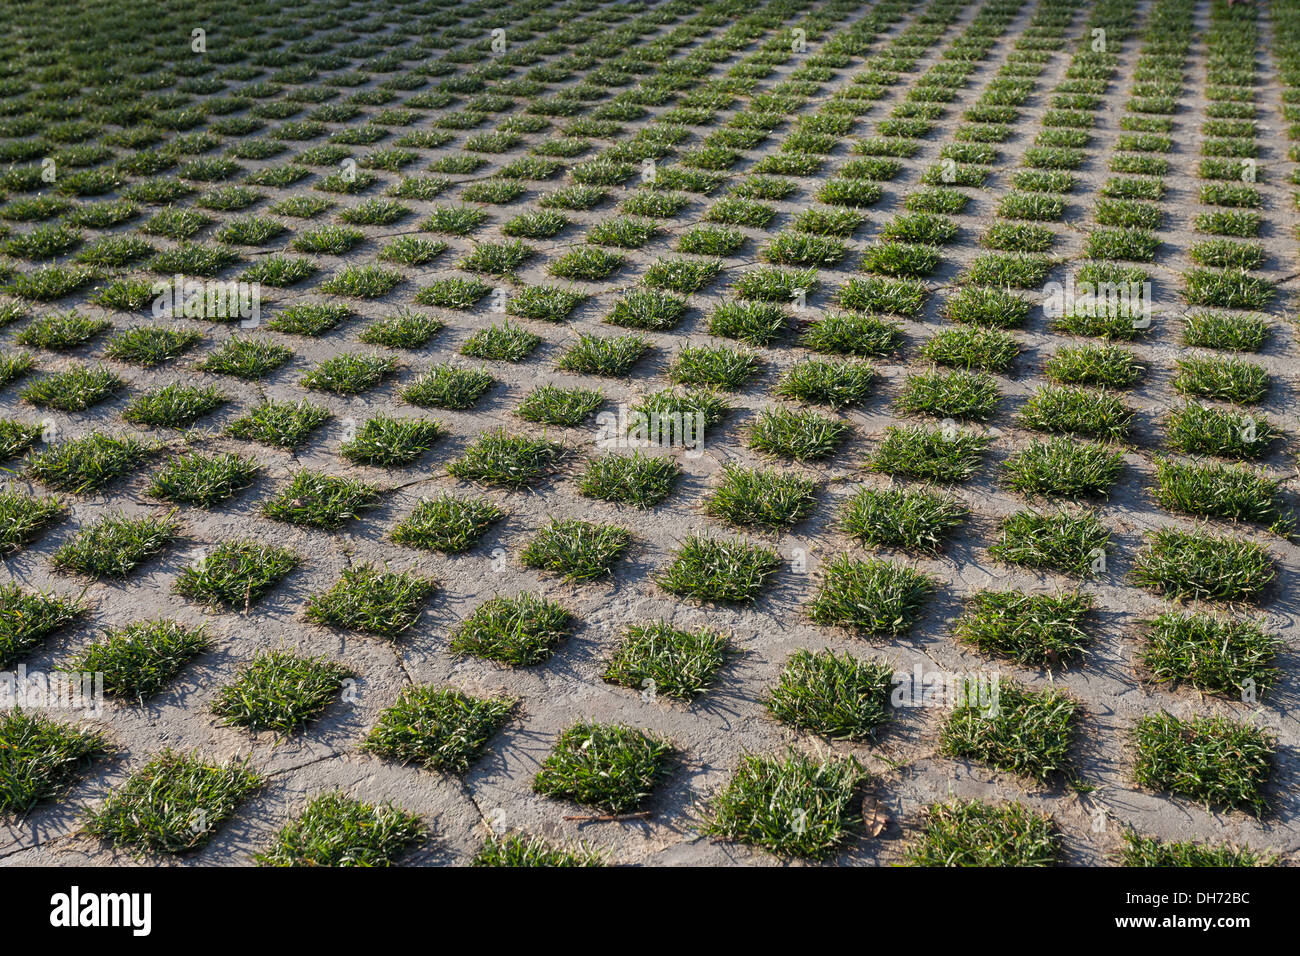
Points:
(115, 545)
(1013, 728)
(1199, 565)
(335, 830)
(438, 728)
(608, 766)
(1037, 630)
(971, 833)
(236, 574)
(139, 660)
(173, 804)
(711, 569)
(871, 597)
(517, 631)
(1216, 761)
(373, 601)
(656, 658)
(580, 551)
(280, 691)
(840, 697)
(918, 520)
(790, 805)
(40, 758)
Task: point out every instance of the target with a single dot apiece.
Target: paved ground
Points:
(907, 770)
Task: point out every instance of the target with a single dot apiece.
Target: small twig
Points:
(610, 817)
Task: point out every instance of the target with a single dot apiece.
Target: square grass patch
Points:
(545, 303)
(853, 333)
(589, 265)
(676, 417)
(753, 323)
(207, 480)
(1215, 654)
(717, 367)
(972, 348)
(1218, 762)
(319, 500)
(141, 659)
(520, 850)
(915, 520)
(1009, 270)
(1203, 566)
(173, 804)
(89, 463)
(871, 597)
(1037, 630)
(309, 319)
(648, 310)
(61, 332)
(389, 442)
(1012, 728)
(40, 758)
(507, 461)
(1219, 330)
(15, 365)
(173, 406)
(75, 389)
(840, 697)
(612, 767)
(989, 307)
(1224, 379)
(115, 545)
(762, 498)
(151, 345)
(29, 617)
(798, 434)
(249, 359)
(280, 691)
(453, 293)
(280, 424)
(449, 386)
(879, 295)
(23, 518)
(1151, 852)
(790, 805)
(16, 437)
(1068, 543)
(972, 833)
(1063, 467)
(948, 455)
(608, 357)
(1071, 410)
(350, 373)
(438, 728)
(1230, 492)
(1111, 366)
(236, 574)
(506, 342)
(579, 551)
(657, 658)
(517, 631)
(373, 601)
(834, 384)
(336, 830)
(558, 406)
(403, 329)
(956, 394)
(637, 479)
(713, 569)
(448, 524)
(1197, 429)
